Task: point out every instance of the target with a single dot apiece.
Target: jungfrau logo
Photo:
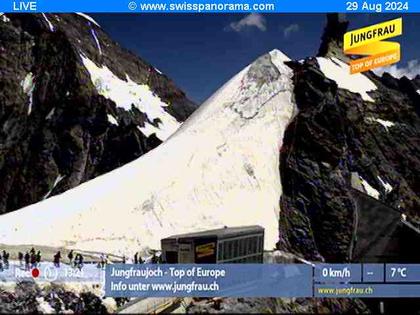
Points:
(369, 41)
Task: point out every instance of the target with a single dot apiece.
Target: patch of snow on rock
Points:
(28, 86)
(387, 186)
(95, 37)
(50, 25)
(50, 114)
(112, 120)
(110, 304)
(385, 123)
(338, 71)
(158, 71)
(127, 93)
(56, 182)
(44, 307)
(369, 189)
(88, 17)
(147, 130)
(4, 18)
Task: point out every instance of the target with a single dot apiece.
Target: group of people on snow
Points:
(32, 259)
(4, 260)
(103, 261)
(29, 260)
(155, 259)
(76, 260)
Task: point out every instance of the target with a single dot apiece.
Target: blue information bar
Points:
(367, 290)
(211, 6)
(263, 280)
(341, 273)
(230, 280)
(402, 273)
(373, 273)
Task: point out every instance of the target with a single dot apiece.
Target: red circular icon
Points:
(35, 272)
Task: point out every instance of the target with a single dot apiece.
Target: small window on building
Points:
(220, 251)
(235, 248)
(242, 247)
(229, 253)
(253, 245)
(250, 240)
(226, 250)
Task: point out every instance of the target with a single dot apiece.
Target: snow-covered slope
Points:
(220, 168)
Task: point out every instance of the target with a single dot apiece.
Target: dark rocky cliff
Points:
(55, 132)
(337, 133)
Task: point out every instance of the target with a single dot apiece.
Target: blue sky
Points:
(201, 52)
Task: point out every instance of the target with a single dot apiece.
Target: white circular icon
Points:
(50, 273)
(132, 5)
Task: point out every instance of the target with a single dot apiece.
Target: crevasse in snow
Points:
(220, 168)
